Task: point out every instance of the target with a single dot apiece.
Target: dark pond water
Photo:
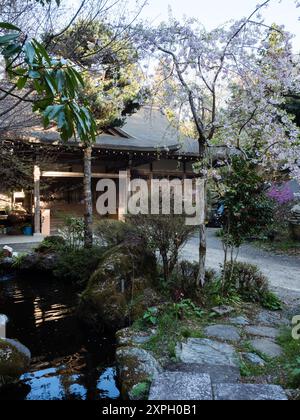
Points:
(68, 363)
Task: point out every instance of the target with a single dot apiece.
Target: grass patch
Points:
(291, 359)
(285, 245)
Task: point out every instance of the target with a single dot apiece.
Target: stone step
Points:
(181, 386)
(195, 386)
(245, 392)
(207, 352)
(218, 374)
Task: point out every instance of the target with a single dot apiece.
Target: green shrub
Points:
(250, 284)
(51, 244)
(73, 232)
(183, 280)
(78, 265)
(291, 357)
(111, 233)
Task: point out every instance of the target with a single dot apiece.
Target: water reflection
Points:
(68, 362)
(51, 384)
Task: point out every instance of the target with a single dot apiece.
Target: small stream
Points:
(68, 362)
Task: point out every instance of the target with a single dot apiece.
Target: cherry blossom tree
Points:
(231, 82)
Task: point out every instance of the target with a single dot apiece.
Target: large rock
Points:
(129, 337)
(223, 333)
(254, 359)
(244, 392)
(218, 374)
(36, 264)
(223, 310)
(207, 352)
(14, 361)
(239, 320)
(116, 293)
(181, 386)
(259, 331)
(6, 268)
(270, 318)
(267, 347)
(135, 366)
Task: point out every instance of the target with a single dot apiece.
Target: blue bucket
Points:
(28, 231)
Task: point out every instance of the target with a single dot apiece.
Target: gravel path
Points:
(282, 271)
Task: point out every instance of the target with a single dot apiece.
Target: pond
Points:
(68, 361)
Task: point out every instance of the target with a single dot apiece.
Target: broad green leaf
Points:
(9, 26)
(51, 83)
(34, 74)
(52, 111)
(42, 51)
(60, 79)
(29, 52)
(61, 120)
(11, 50)
(22, 82)
(5, 39)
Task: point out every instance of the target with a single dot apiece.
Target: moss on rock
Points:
(116, 292)
(135, 366)
(14, 361)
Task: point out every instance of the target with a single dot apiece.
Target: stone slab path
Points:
(209, 368)
(181, 386)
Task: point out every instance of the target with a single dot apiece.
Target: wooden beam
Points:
(54, 174)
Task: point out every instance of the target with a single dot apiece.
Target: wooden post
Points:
(37, 200)
(88, 198)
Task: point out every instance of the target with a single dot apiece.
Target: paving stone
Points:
(181, 386)
(260, 331)
(207, 352)
(239, 320)
(223, 310)
(218, 374)
(223, 332)
(254, 359)
(267, 347)
(270, 318)
(244, 392)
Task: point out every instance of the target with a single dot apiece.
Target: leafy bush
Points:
(78, 265)
(248, 210)
(51, 244)
(73, 232)
(165, 235)
(250, 284)
(181, 283)
(111, 233)
(291, 358)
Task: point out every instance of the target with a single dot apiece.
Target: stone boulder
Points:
(6, 267)
(14, 361)
(136, 367)
(118, 292)
(128, 337)
(35, 264)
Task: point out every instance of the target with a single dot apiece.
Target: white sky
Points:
(213, 13)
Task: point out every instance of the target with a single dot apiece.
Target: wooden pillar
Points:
(123, 197)
(37, 200)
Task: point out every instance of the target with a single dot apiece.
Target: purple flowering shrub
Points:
(283, 198)
(281, 194)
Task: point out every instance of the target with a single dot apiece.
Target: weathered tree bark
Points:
(88, 200)
(202, 228)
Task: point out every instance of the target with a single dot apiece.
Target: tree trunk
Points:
(202, 229)
(88, 201)
(202, 255)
